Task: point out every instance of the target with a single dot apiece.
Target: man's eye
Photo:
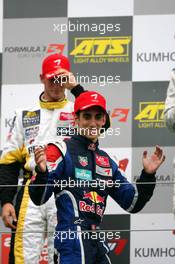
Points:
(87, 116)
(54, 80)
(98, 116)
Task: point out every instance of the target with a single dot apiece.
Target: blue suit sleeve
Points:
(42, 187)
(130, 197)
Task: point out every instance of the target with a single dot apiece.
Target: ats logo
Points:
(101, 49)
(151, 115)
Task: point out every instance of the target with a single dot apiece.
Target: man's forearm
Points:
(37, 187)
(145, 187)
(8, 182)
(77, 90)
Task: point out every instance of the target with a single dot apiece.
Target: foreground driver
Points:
(80, 160)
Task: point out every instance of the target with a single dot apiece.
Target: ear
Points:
(41, 78)
(104, 120)
(76, 119)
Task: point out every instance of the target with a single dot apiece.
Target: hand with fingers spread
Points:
(65, 78)
(152, 163)
(40, 158)
(9, 215)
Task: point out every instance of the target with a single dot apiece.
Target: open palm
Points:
(152, 163)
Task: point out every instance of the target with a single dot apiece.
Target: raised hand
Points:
(152, 163)
(40, 158)
(65, 78)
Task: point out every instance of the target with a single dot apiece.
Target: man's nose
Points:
(93, 121)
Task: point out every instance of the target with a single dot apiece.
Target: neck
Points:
(94, 140)
(46, 99)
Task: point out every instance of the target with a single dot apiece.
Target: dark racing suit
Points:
(81, 207)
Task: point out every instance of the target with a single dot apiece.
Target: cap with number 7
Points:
(91, 98)
(52, 63)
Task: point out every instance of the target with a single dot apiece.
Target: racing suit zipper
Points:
(93, 175)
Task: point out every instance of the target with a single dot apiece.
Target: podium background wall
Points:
(126, 50)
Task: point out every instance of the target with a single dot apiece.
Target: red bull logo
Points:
(84, 207)
(94, 197)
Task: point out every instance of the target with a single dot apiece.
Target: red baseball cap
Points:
(52, 63)
(88, 99)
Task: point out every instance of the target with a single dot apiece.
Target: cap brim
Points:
(52, 74)
(91, 105)
(108, 122)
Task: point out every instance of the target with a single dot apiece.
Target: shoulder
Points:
(59, 145)
(28, 112)
(32, 109)
(70, 104)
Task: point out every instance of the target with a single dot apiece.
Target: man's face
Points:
(53, 90)
(90, 122)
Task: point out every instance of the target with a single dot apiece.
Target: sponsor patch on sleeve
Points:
(66, 116)
(30, 118)
(53, 165)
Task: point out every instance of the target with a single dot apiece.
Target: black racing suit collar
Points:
(87, 142)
